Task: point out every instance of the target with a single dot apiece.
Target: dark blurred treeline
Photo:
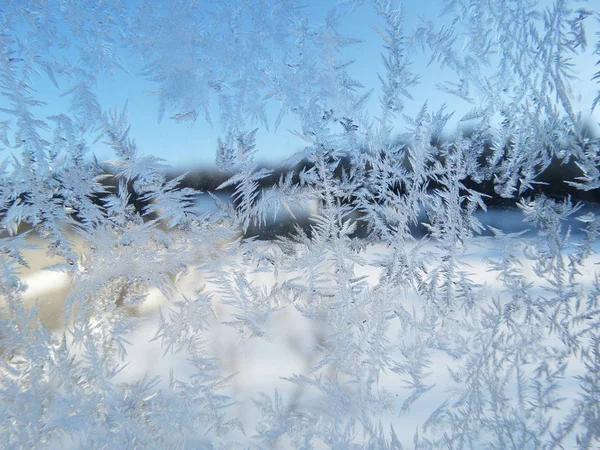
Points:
(552, 183)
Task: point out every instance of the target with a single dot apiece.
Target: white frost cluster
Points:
(409, 320)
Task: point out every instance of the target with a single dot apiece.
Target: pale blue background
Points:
(188, 147)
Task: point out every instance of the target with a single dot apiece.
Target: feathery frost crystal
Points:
(421, 320)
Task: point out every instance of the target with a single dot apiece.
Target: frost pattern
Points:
(522, 352)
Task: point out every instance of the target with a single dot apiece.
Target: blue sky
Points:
(185, 147)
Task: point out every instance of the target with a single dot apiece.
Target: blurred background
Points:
(190, 147)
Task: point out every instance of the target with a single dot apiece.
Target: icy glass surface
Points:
(352, 224)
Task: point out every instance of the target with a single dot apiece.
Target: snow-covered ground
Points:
(260, 364)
